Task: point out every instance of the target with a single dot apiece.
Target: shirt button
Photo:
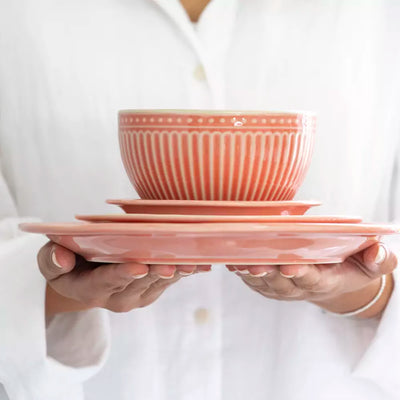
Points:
(199, 74)
(201, 316)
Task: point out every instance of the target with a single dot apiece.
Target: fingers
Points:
(165, 281)
(252, 270)
(158, 286)
(355, 272)
(377, 260)
(288, 281)
(260, 270)
(319, 281)
(312, 278)
(186, 270)
(168, 271)
(281, 286)
(163, 271)
(94, 286)
(55, 260)
(137, 271)
(144, 291)
(267, 280)
(141, 292)
(203, 268)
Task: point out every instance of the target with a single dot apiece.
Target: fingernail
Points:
(203, 270)
(287, 276)
(243, 271)
(381, 255)
(139, 276)
(54, 259)
(167, 276)
(183, 273)
(259, 275)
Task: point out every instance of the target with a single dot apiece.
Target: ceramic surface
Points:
(173, 218)
(215, 207)
(245, 243)
(216, 155)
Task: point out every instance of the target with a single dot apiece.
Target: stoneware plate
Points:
(173, 218)
(215, 207)
(212, 243)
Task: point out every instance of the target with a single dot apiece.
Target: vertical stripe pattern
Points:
(216, 165)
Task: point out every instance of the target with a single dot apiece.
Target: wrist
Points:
(352, 301)
(55, 303)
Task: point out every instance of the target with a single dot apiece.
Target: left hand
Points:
(338, 288)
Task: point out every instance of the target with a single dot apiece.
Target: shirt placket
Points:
(201, 348)
(210, 40)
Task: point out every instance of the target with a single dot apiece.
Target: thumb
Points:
(378, 260)
(55, 260)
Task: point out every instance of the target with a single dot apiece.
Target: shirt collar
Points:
(178, 15)
(210, 39)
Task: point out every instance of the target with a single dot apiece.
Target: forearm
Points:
(355, 300)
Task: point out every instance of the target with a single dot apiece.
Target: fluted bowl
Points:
(216, 155)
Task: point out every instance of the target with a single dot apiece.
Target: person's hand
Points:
(338, 288)
(75, 284)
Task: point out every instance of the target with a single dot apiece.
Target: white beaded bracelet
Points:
(368, 305)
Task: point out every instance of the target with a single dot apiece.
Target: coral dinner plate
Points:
(215, 207)
(212, 243)
(172, 218)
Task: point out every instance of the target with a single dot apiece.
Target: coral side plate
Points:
(213, 243)
(173, 218)
(215, 207)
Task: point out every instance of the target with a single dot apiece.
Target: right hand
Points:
(75, 284)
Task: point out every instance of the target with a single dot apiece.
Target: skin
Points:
(338, 288)
(194, 8)
(75, 284)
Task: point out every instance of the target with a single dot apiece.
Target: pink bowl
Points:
(216, 155)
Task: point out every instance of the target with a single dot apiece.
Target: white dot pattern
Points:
(292, 121)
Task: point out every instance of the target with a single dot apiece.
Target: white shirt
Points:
(65, 70)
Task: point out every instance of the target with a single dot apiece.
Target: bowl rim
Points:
(215, 112)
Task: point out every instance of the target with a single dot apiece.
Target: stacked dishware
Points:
(215, 187)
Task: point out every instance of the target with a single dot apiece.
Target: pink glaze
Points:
(173, 218)
(227, 243)
(215, 207)
(220, 155)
